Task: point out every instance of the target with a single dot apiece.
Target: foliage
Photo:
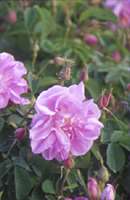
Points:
(42, 33)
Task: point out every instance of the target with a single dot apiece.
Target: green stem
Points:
(119, 122)
(64, 181)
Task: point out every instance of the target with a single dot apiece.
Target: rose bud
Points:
(103, 174)
(116, 56)
(20, 134)
(105, 100)
(108, 193)
(2, 29)
(83, 74)
(90, 39)
(11, 17)
(128, 87)
(69, 163)
(93, 189)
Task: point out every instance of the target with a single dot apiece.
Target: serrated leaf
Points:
(115, 157)
(97, 13)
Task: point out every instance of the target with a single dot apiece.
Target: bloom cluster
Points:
(65, 123)
(94, 192)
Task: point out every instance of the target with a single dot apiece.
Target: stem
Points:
(11, 147)
(35, 53)
(64, 180)
(54, 7)
(120, 123)
(26, 114)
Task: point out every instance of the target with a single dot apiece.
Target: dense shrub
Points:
(62, 144)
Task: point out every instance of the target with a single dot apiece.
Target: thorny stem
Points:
(120, 123)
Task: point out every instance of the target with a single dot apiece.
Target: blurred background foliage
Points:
(50, 37)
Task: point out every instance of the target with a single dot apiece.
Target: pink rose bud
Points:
(90, 39)
(116, 56)
(11, 17)
(20, 133)
(69, 163)
(93, 189)
(2, 29)
(67, 198)
(128, 87)
(105, 100)
(108, 193)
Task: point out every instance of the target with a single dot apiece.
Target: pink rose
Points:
(65, 123)
(12, 83)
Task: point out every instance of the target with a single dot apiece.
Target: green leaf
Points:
(37, 194)
(96, 152)
(94, 88)
(105, 136)
(115, 157)
(30, 17)
(21, 163)
(23, 183)
(126, 143)
(117, 136)
(122, 138)
(47, 187)
(1, 123)
(4, 168)
(97, 13)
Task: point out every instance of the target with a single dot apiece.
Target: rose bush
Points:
(64, 100)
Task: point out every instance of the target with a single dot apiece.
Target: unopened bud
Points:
(20, 134)
(116, 56)
(11, 17)
(69, 163)
(128, 87)
(105, 100)
(108, 193)
(90, 39)
(2, 29)
(83, 74)
(93, 189)
(103, 174)
(65, 73)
